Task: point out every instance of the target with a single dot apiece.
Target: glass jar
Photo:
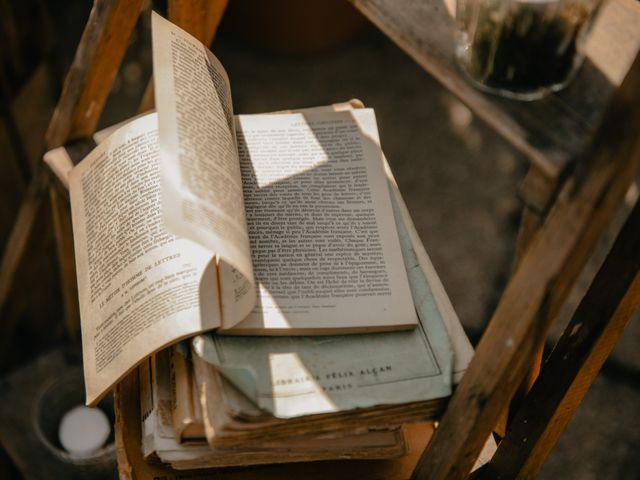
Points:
(522, 49)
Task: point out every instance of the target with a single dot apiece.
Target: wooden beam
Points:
(201, 18)
(63, 231)
(585, 344)
(554, 258)
(530, 222)
(537, 189)
(96, 62)
(548, 131)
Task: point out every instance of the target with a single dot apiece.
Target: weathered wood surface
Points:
(96, 62)
(200, 18)
(594, 329)
(554, 258)
(63, 230)
(550, 131)
(537, 190)
(530, 221)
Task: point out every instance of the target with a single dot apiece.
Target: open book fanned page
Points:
(192, 219)
(300, 197)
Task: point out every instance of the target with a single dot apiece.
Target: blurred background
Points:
(458, 177)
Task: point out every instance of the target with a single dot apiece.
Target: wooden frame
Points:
(560, 229)
(544, 276)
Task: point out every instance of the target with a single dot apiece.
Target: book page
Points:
(201, 185)
(325, 248)
(305, 375)
(138, 285)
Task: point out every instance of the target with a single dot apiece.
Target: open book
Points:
(190, 220)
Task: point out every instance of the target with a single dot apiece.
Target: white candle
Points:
(83, 430)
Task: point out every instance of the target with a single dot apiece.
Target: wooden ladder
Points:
(552, 255)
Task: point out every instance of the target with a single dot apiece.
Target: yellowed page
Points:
(139, 285)
(201, 185)
(325, 247)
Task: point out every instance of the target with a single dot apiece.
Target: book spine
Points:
(187, 424)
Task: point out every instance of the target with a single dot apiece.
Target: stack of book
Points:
(220, 400)
(261, 277)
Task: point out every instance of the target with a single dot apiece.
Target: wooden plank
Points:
(188, 15)
(200, 18)
(530, 223)
(94, 68)
(574, 363)
(63, 231)
(537, 190)
(551, 263)
(548, 131)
